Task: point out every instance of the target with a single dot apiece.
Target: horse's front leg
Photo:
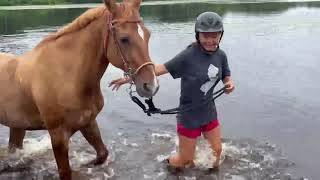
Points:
(60, 145)
(16, 139)
(92, 135)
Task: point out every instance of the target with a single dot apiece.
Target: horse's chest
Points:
(79, 119)
(83, 117)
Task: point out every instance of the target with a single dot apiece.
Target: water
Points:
(269, 124)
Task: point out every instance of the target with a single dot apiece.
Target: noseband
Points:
(128, 71)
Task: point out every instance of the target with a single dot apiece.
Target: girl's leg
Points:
(214, 138)
(185, 156)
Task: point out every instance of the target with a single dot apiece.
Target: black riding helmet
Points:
(208, 22)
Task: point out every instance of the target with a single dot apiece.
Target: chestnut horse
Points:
(56, 86)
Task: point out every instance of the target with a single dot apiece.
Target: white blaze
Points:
(140, 31)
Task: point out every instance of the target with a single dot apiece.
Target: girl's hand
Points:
(229, 86)
(117, 83)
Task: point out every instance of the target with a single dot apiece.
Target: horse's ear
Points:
(136, 3)
(111, 5)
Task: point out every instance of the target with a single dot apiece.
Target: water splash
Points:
(36, 161)
(240, 159)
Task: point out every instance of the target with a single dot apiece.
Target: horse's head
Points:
(127, 45)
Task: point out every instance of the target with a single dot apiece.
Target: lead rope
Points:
(153, 110)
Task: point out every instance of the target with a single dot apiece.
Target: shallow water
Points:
(270, 123)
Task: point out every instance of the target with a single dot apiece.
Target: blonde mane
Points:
(81, 22)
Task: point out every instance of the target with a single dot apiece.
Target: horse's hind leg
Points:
(16, 139)
(92, 135)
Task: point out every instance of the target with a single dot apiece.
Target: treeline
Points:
(42, 2)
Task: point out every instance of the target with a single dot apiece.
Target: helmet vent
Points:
(210, 20)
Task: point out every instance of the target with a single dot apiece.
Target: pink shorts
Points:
(194, 133)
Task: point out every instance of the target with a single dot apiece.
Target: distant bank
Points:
(43, 2)
(48, 2)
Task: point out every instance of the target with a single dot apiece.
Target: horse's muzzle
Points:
(153, 89)
(148, 89)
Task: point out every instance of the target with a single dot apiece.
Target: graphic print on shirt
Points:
(213, 76)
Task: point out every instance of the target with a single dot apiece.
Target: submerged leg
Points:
(60, 145)
(185, 156)
(16, 139)
(92, 135)
(214, 138)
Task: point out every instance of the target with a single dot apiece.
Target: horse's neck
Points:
(91, 42)
(82, 51)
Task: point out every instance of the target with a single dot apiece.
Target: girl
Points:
(200, 66)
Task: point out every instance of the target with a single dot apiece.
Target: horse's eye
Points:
(124, 40)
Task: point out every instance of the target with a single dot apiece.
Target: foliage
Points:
(38, 2)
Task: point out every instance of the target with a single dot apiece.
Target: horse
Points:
(56, 85)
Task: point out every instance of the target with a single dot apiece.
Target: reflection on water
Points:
(274, 57)
(12, 22)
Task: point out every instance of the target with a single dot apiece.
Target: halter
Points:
(128, 71)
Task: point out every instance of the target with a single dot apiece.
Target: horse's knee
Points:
(59, 138)
(60, 149)
(60, 146)
(59, 143)
(92, 135)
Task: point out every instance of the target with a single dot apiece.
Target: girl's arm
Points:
(117, 83)
(228, 83)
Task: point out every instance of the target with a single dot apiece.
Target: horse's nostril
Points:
(145, 87)
(150, 88)
(147, 90)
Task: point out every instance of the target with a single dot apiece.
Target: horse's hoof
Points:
(101, 158)
(98, 161)
(13, 149)
(214, 169)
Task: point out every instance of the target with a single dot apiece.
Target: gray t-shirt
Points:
(199, 72)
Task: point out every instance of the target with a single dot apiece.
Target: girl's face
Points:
(210, 40)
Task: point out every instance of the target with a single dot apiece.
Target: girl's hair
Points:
(193, 44)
